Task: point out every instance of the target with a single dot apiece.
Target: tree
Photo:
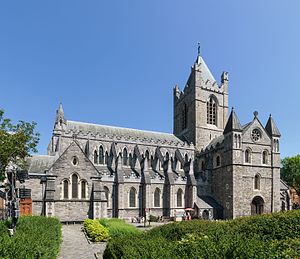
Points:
(290, 171)
(17, 141)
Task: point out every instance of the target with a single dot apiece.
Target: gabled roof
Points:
(271, 128)
(205, 72)
(233, 123)
(40, 163)
(118, 132)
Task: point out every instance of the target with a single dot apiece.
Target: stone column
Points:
(49, 197)
(99, 200)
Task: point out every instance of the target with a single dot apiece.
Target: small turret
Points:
(60, 120)
(271, 128)
(233, 123)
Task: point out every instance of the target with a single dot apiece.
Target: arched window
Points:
(184, 116)
(247, 156)
(265, 157)
(74, 186)
(125, 157)
(240, 143)
(179, 198)
(235, 140)
(106, 158)
(66, 189)
(157, 197)
(132, 197)
(83, 190)
(101, 155)
(106, 190)
(218, 161)
(257, 182)
(211, 111)
(95, 157)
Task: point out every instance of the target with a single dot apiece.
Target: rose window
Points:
(256, 135)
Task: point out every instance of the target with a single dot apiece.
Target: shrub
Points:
(266, 236)
(35, 237)
(95, 231)
(118, 227)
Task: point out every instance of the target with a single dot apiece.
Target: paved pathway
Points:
(75, 245)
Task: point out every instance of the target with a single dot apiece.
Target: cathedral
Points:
(212, 164)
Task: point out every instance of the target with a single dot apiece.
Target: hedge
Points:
(118, 227)
(95, 231)
(35, 237)
(267, 236)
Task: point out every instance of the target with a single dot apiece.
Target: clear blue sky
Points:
(116, 62)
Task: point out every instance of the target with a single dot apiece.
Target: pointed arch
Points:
(83, 189)
(106, 158)
(101, 155)
(65, 189)
(179, 197)
(74, 182)
(96, 157)
(132, 197)
(125, 157)
(212, 110)
(157, 197)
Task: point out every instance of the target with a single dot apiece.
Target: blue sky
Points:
(116, 62)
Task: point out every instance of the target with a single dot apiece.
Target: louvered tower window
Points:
(212, 111)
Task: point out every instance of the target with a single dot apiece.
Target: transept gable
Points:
(255, 133)
(74, 160)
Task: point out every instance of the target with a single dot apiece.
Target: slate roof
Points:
(233, 123)
(207, 202)
(205, 72)
(127, 133)
(215, 142)
(271, 128)
(40, 163)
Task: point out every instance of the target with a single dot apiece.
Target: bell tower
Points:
(201, 109)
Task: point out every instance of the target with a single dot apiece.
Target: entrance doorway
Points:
(26, 207)
(257, 205)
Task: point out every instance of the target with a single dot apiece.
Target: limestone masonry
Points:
(211, 163)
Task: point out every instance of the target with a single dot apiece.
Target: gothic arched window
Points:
(132, 197)
(212, 111)
(106, 158)
(66, 189)
(157, 197)
(83, 189)
(95, 157)
(101, 155)
(125, 157)
(257, 182)
(74, 186)
(179, 198)
(247, 156)
(265, 157)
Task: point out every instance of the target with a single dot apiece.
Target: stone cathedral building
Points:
(211, 163)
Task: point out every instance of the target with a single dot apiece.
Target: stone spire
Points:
(60, 117)
(271, 128)
(233, 123)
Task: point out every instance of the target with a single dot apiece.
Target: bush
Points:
(95, 231)
(266, 236)
(118, 227)
(35, 237)
(153, 218)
